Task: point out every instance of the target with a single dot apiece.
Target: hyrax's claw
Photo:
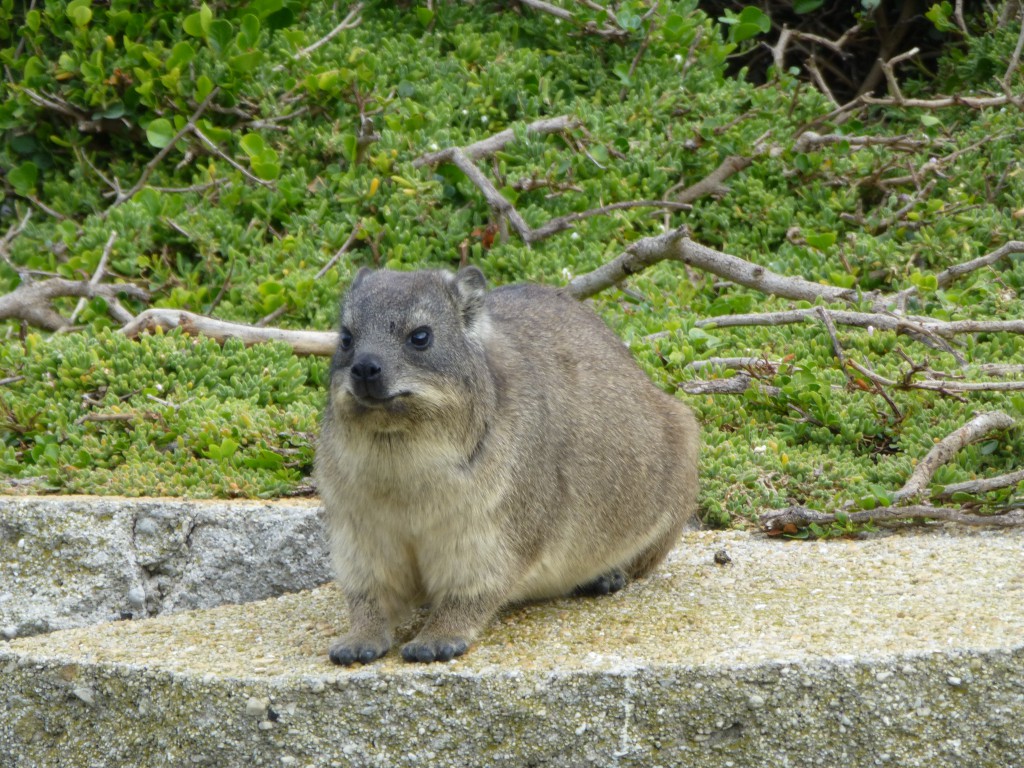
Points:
(434, 650)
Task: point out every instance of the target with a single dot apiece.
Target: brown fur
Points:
(522, 455)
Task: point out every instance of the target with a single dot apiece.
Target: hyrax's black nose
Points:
(367, 378)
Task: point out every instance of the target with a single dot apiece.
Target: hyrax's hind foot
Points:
(604, 584)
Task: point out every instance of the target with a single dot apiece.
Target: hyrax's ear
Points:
(362, 273)
(471, 287)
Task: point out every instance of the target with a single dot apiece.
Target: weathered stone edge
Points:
(955, 708)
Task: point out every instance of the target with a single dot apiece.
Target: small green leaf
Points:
(198, 24)
(112, 112)
(930, 121)
(23, 178)
(281, 18)
(266, 166)
(674, 27)
(203, 87)
(424, 16)
(924, 282)
(160, 132)
(79, 12)
(821, 240)
(245, 62)
(181, 54)
(253, 145)
(34, 70)
(222, 452)
(349, 146)
(988, 447)
(250, 33)
(221, 35)
(628, 20)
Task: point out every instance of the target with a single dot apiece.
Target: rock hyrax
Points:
(484, 447)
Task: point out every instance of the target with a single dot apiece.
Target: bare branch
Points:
(1014, 59)
(808, 140)
(30, 301)
(977, 487)
(147, 171)
(96, 276)
(714, 182)
(678, 246)
(915, 325)
(973, 102)
(351, 21)
(302, 342)
(497, 142)
(12, 234)
(341, 251)
(498, 203)
(999, 369)
(943, 385)
(890, 75)
(977, 428)
(778, 520)
(607, 31)
(948, 275)
(565, 222)
(210, 145)
(837, 348)
(734, 363)
(734, 385)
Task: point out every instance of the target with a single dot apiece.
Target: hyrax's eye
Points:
(345, 340)
(421, 337)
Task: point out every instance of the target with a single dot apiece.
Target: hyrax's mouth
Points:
(396, 402)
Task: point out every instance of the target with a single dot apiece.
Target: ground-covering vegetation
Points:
(243, 160)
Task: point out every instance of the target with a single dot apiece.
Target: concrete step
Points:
(900, 650)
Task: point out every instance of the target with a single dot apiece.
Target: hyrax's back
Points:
(608, 461)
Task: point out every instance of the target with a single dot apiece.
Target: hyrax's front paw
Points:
(434, 649)
(351, 649)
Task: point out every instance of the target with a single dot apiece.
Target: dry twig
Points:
(302, 342)
(734, 385)
(607, 30)
(943, 385)
(677, 246)
(351, 21)
(497, 142)
(31, 301)
(977, 428)
(779, 520)
(96, 277)
(503, 210)
(925, 326)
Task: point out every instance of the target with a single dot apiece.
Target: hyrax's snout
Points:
(368, 378)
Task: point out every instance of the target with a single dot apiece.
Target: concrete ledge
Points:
(906, 650)
(74, 561)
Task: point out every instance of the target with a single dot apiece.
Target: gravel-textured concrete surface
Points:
(906, 650)
(74, 561)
